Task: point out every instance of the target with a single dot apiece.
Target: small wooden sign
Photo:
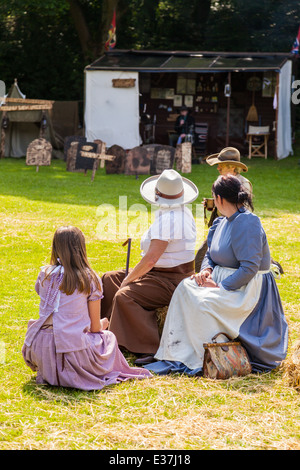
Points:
(183, 157)
(39, 153)
(137, 162)
(123, 82)
(118, 164)
(90, 154)
(161, 157)
(27, 107)
(82, 161)
(27, 101)
(71, 157)
(69, 141)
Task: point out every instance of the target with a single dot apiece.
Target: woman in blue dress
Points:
(235, 293)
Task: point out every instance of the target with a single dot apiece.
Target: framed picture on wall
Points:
(191, 86)
(169, 93)
(177, 101)
(189, 101)
(269, 84)
(181, 85)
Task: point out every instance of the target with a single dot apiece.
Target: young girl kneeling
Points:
(68, 345)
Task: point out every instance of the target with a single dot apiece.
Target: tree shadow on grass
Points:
(274, 183)
(55, 184)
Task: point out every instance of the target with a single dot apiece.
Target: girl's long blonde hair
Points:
(69, 250)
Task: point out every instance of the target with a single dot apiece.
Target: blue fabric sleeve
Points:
(207, 261)
(247, 243)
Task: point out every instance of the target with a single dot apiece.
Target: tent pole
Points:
(2, 143)
(276, 119)
(228, 111)
(42, 126)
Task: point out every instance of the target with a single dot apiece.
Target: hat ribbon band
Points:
(167, 196)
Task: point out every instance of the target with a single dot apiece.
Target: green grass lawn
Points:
(173, 412)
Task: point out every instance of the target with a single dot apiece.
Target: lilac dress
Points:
(59, 347)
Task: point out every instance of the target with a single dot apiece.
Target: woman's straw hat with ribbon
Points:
(228, 155)
(169, 188)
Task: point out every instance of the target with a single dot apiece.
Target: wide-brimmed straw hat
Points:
(227, 155)
(169, 188)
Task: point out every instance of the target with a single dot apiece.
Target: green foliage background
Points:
(39, 41)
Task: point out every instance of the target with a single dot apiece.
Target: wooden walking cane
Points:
(128, 242)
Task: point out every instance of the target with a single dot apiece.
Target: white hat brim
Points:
(147, 190)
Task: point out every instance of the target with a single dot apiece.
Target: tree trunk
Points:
(200, 16)
(92, 43)
(81, 27)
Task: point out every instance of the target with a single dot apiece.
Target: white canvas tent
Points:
(112, 114)
(284, 128)
(24, 122)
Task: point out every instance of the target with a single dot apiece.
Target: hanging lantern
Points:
(227, 90)
(44, 122)
(5, 122)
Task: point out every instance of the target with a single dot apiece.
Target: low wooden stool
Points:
(258, 137)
